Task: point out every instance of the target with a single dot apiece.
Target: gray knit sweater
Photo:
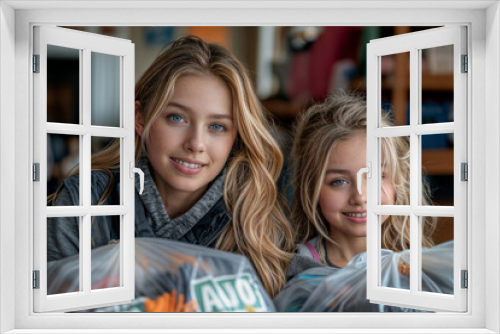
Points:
(201, 224)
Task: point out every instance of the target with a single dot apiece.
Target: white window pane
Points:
(106, 165)
(105, 265)
(437, 170)
(437, 85)
(395, 81)
(391, 228)
(60, 278)
(437, 260)
(63, 154)
(63, 84)
(105, 89)
(395, 171)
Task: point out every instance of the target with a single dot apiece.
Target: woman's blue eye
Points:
(338, 183)
(176, 118)
(218, 127)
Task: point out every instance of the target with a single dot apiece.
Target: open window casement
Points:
(103, 70)
(417, 129)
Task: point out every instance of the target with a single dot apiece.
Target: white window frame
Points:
(483, 20)
(414, 43)
(84, 43)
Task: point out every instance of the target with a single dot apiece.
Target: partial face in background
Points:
(340, 202)
(189, 143)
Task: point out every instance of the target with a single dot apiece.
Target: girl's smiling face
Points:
(340, 202)
(189, 143)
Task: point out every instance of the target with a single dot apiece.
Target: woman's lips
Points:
(187, 166)
(356, 217)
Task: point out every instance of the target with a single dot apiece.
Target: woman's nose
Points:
(195, 141)
(356, 197)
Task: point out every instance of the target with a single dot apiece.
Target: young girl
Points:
(210, 165)
(329, 213)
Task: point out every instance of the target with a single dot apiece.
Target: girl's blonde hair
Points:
(259, 228)
(319, 130)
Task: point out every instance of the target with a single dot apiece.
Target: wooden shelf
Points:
(430, 82)
(438, 161)
(434, 82)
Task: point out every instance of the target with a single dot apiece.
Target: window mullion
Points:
(377, 194)
(414, 168)
(417, 231)
(85, 163)
(127, 154)
(420, 129)
(427, 210)
(373, 80)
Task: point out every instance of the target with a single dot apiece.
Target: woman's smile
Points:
(188, 166)
(356, 216)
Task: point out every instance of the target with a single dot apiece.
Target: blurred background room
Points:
(291, 67)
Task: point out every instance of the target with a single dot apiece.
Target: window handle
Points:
(366, 170)
(134, 170)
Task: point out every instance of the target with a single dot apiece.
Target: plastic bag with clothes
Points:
(170, 276)
(327, 289)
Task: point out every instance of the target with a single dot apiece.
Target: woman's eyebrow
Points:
(179, 105)
(338, 171)
(221, 116)
(189, 110)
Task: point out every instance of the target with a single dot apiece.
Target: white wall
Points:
(486, 110)
(7, 158)
(492, 155)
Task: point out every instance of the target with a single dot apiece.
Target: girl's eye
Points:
(338, 183)
(218, 127)
(175, 118)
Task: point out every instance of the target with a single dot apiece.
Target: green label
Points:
(232, 293)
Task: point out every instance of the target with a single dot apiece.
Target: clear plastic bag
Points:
(326, 289)
(171, 276)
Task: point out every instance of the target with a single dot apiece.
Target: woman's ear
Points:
(139, 119)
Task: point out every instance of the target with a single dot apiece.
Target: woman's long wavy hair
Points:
(339, 118)
(259, 228)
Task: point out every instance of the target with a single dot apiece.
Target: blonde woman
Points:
(329, 214)
(210, 164)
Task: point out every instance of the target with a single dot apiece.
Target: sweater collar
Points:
(160, 222)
